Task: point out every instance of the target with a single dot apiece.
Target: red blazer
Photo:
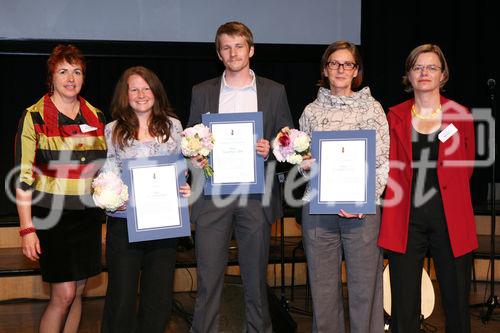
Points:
(454, 169)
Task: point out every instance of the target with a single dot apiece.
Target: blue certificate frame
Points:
(322, 145)
(132, 168)
(237, 187)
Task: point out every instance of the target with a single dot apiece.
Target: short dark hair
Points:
(69, 53)
(234, 29)
(341, 45)
(412, 59)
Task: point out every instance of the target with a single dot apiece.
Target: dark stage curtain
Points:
(179, 66)
(467, 32)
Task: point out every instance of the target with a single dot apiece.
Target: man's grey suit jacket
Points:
(272, 102)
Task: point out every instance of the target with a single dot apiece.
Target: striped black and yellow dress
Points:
(58, 157)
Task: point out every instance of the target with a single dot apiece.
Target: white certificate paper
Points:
(233, 156)
(156, 197)
(343, 171)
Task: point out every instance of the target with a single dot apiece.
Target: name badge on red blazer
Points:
(447, 133)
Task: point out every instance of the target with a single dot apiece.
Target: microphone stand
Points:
(285, 304)
(283, 301)
(492, 301)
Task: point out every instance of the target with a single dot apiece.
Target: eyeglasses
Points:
(429, 68)
(347, 66)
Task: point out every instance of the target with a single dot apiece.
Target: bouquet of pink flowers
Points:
(109, 191)
(198, 140)
(291, 145)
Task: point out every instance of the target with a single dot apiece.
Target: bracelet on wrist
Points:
(25, 231)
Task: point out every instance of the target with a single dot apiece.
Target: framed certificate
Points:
(238, 169)
(155, 209)
(344, 175)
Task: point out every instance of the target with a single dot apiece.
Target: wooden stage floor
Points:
(22, 317)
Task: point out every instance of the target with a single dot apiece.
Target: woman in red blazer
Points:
(427, 204)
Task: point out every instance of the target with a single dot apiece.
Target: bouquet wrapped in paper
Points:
(198, 140)
(109, 191)
(291, 145)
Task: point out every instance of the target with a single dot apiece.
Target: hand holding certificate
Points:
(344, 177)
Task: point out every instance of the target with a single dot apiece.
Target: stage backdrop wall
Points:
(275, 21)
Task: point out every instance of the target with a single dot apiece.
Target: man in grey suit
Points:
(238, 89)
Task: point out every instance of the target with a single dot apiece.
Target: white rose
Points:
(294, 159)
(301, 143)
(108, 200)
(184, 147)
(123, 194)
(204, 151)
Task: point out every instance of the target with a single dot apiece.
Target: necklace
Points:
(431, 116)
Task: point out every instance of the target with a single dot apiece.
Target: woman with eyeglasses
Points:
(328, 238)
(427, 205)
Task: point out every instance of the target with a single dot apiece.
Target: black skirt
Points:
(71, 247)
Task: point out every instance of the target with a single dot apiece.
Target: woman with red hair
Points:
(59, 146)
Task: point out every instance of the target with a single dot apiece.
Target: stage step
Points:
(19, 278)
